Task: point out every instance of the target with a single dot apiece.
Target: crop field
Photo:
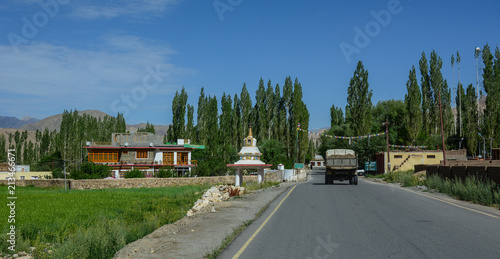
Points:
(90, 223)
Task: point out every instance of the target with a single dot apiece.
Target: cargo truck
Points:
(341, 165)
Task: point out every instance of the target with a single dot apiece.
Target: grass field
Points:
(91, 223)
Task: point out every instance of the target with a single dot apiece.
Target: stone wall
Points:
(130, 183)
(42, 183)
(275, 176)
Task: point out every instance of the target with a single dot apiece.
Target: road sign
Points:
(370, 166)
(299, 166)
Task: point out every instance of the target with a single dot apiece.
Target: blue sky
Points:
(131, 56)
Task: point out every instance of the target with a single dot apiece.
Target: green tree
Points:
(359, 104)
(300, 115)
(178, 115)
(260, 124)
(201, 119)
(269, 111)
(3, 148)
(395, 112)
(427, 95)
(439, 85)
(190, 131)
(336, 116)
(491, 82)
(274, 152)
(471, 117)
(246, 110)
(237, 129)
(413, 100)
(149, 128)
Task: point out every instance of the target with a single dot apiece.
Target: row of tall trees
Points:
(65, 144)
(222, 126)
(416, 120)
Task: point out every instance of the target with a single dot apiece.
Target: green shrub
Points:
(134, 173)
(472, 189)
(165, 173)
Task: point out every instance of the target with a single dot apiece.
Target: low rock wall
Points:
(131, 183)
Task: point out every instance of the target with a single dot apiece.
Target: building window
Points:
(182, 158)
(141, 154)
(168, 158)
(22, 177)
(431, 156)
(398, 156)
(103, 157)
(34, 177)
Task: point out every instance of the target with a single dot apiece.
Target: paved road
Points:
(367, 221)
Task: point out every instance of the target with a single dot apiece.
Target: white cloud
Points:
(42, 76)
(113, 9)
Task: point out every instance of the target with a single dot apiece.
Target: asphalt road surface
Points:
(370, 220)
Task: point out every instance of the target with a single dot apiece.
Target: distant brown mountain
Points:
(54, 122)
(159, 129)
(15, 123)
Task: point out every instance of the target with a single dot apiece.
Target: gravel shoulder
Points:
(193, 237)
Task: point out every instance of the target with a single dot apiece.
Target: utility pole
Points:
(386, 123)
(442, 131)
(476, 55)
(459, 94)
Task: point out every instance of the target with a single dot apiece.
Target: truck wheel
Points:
(356, 180)
(351, 180)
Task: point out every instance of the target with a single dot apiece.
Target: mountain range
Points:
(54, 123)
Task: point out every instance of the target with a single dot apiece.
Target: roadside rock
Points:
(215, 194)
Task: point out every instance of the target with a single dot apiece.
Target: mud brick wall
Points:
(459, 172)
(444, 171)
(477, 171)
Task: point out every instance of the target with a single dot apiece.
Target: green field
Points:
(90, 223)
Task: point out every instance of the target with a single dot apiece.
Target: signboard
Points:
(299, 166)
(370, 166)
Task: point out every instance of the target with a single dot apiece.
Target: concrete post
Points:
(237, 177)
(260, 176)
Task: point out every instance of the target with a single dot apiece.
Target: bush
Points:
(134, 173)
(472, 189)
(164, 173)
(90, 171)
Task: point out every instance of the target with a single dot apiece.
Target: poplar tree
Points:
(439, 85)
(201, 118)
(471, 116)
(269, 111)
(190, 131)
(427, 95)
(336, 116)
(178, 115)
(359, 104)
(246, 110)
(288, 104)
(413, 100)
(260, 123)
(237, 129)
(277, 115)
(491, 82)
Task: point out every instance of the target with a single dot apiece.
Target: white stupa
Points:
(249, 159)
(249, 153)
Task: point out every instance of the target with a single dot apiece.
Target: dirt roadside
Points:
(193, 237)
